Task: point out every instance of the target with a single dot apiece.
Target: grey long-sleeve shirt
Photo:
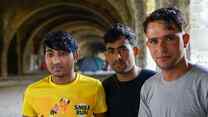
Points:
(184, 97)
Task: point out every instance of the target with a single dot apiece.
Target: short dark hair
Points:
(171, 16)
(117, 30)
(60, 40)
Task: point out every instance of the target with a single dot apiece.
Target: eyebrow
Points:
(153, 38)
(49, 50)
(117, 47)
(108, 48)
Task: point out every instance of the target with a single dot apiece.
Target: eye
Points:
(62, 53)
(170, 38)
(49, 54)
(110, 50)
(123, 49)
(153, 41)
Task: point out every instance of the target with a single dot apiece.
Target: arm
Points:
(27, 109)
(144, 110)
(100, 106)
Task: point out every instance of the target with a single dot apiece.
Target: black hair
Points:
(116, 31)
(60, 40)
(172, 17)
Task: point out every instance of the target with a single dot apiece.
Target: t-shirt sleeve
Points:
(100, 106)
(27, 109)
(144, 110)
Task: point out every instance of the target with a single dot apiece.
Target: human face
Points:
(166, 46)
(120, 55)
(59, 63)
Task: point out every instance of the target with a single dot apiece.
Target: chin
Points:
(58, 75)
(124, 71)
(119, 70)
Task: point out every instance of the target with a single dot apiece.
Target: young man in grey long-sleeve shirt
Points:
(181, 89)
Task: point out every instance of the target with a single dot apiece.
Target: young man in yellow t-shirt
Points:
(64, 93)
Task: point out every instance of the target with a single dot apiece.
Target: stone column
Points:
(1, 38)
(5, 47)
(4, 60)
(7, 28)
(19, 54)
(140, 16)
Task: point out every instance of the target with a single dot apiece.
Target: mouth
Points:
(57, 68)
(119, 65)
(163, 58)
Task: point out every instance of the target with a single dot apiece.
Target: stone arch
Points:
(62, 16)
(104, 13)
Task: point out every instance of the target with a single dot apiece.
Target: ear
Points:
(136, 51)
(147, 44)
(186, 39)
(106, 56)
(76, 55)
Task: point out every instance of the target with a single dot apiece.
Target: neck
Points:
(65, 79)
(179, 70)
(130, 75)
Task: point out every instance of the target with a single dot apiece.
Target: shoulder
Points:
(88, 80)
(109, 80)
(38, 84)
(88, 85)
(152, 82)
(144, 75)
(155, 78)
(198, 69)
(150, 86)
(147, 73)
(199, 74)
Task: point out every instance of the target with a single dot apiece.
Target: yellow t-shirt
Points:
(80, 98)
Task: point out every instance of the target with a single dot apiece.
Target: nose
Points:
(162, 46)
(56, 60)
(117, 55)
